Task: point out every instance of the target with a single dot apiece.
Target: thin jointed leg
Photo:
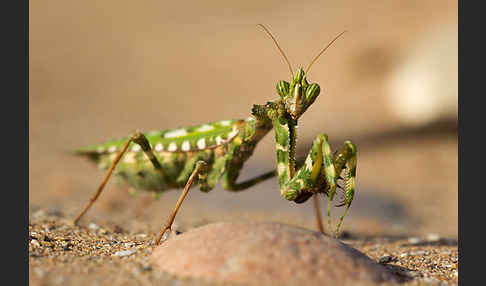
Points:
(137, 138)
(201, 170)
(231, 185)
(103, 183)
(317, 211)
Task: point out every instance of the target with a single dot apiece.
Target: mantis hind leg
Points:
(137, 138)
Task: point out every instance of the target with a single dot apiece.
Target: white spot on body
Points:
(219, 141)
(286, 127)
(129, 158)
(186, 146)
(172, 147)
(281, 167)
(308, 163)
(204, 128)
(136, 148)
(282, 148)
(175, 133)
(225, 122)
(112, 149)
(201, 143)
(159, 147)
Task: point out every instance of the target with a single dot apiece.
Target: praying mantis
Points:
(208, 153)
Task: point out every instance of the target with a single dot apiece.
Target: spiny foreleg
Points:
(346, 159)
(319, 173)
(318, 169)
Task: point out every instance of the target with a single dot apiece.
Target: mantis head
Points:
(297, 95)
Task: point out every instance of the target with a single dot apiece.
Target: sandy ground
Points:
(101, 71)
(61, 254)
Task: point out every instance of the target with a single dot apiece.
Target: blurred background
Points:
(102, 69)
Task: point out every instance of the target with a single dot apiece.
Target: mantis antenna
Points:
(323, 50)
(279, 48)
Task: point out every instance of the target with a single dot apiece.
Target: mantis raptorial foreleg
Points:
(320, 171)
(346, 159)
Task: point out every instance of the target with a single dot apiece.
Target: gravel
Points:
(61, 254)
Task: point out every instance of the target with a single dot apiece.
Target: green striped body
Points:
(163, 160)
(175, 158)
(176, 149)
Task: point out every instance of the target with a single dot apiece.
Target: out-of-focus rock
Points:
(266, 254)
(424, 87)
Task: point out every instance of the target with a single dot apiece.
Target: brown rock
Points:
(266, 254)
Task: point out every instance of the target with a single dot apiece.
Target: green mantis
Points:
(213, 152)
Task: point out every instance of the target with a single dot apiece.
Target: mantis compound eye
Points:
(283, 88)
(311, 93)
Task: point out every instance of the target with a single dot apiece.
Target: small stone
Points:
(35, 243)
(54, 211)
(419, 252)
(123, 252)
(46, 243)
(431, 280)
(414, 240)
(432, 237)
(385, 259)
(145, 267)
(118, 229)
(39, 213)
(265, 254)
(93, 226)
